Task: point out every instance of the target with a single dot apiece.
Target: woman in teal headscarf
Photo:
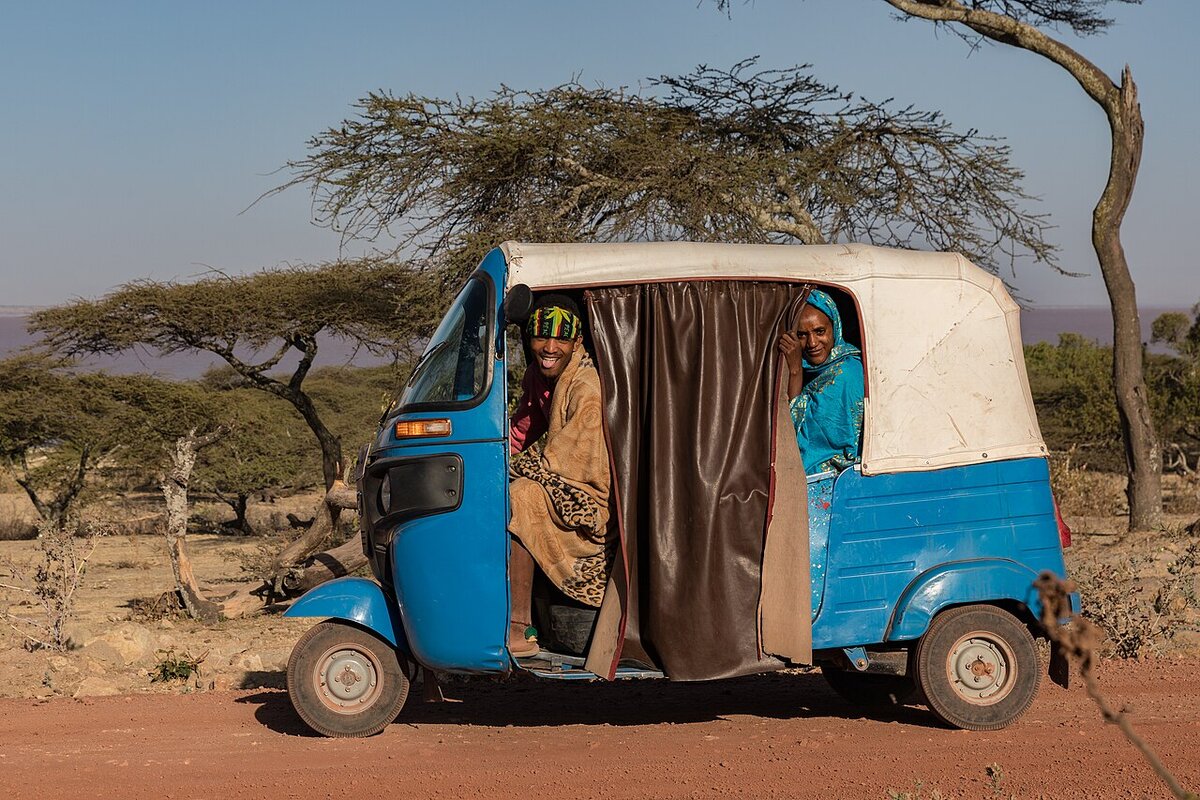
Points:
(825, 384)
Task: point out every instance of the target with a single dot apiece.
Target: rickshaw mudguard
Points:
(958, 583)
(356, 600)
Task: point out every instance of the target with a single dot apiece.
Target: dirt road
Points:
(765, 736)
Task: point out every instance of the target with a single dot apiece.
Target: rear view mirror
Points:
(517, 304)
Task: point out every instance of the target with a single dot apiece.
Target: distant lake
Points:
(1037, 325)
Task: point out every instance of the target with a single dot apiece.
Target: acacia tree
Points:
(259, 324)
(1019, 23)
(170, 425)
(265, 451)
(56, 427)
(730, 155)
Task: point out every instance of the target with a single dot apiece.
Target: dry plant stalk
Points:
(65, 550)
(1080, 642)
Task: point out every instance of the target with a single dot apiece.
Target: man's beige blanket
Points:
(560, 489)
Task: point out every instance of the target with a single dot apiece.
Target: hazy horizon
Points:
(1043, 324)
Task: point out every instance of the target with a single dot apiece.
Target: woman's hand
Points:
(789, 345)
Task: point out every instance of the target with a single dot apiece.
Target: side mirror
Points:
(517, 304)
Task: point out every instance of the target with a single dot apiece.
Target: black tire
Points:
(977, 667)
(872, 689)
(344, 681)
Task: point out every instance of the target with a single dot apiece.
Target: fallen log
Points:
(301, 565)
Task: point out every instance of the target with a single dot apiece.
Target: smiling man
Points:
(559, 468)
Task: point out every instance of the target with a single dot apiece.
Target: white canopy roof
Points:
(946, 381)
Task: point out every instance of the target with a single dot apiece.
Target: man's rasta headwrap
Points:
(554, 322)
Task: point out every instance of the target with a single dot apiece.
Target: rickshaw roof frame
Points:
(946, 375)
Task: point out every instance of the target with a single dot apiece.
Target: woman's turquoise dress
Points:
(828, 417)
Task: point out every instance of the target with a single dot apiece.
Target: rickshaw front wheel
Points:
(977, 667)
(345, 681)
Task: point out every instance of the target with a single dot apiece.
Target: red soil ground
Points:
(774, 736)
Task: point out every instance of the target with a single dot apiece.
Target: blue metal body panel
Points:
(958, 582)
(450, 571)
(487, 420)
(906, 545)
(357, 600)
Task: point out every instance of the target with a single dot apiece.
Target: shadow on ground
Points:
(530, 702)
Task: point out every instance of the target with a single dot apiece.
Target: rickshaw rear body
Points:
(904, 546)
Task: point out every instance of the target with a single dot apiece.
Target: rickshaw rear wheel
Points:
(872, 689)
(977, 667)
(344, 681)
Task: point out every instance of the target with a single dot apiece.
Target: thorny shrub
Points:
(1081, 491)
(1137, 618)
(171, 667)
(167, 605)
(256, 564)
(47, 589)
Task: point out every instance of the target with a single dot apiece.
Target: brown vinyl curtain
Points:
(689, 378)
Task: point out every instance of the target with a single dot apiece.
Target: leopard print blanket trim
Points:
(578, 510)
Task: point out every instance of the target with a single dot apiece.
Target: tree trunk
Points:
(331, 445)
(1143, 453)
(239, 505)
(340, 496)
(295, 571)
(175, 492)
(56, 510)
(322, 567)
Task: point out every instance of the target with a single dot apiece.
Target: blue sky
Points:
(134, 135)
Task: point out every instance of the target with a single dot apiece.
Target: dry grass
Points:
(17, 519)
(1084, 492)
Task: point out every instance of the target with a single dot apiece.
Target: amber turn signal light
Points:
(422, 428)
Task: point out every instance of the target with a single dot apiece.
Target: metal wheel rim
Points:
(347, 680)
(981, 668)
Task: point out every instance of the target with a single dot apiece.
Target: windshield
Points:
(454, 367)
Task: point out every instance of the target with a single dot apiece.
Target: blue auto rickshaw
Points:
(908, 576)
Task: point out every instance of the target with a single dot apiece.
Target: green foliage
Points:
(354, 398)
(374, 302)
(1179, 332)
(158, 412)
(267, 449)
(1072, 389)
(55, 426)
(171, 667)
